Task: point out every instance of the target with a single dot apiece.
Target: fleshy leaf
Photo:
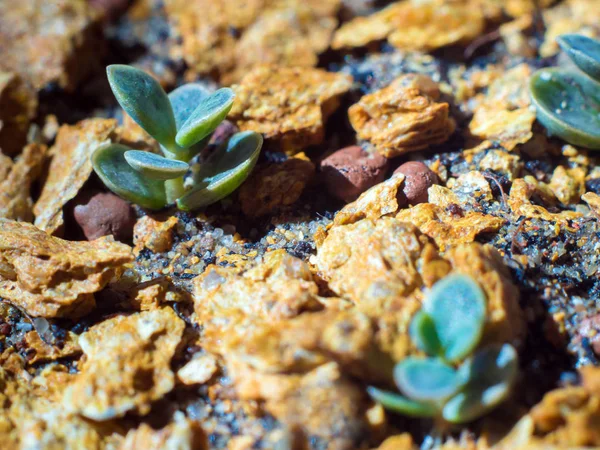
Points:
(112, 168)
(457, 306)
(490, 373)
(155, 166)
(583, 51)
(185, 99)
(142, 97)
(206, 117)
(427, 379)
(568, 105)
(224, 171)
(424, 335)
(397, 403)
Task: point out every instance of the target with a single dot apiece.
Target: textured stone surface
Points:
(288, 105)
(50, 277)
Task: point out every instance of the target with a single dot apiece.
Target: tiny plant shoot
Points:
(182, 123)
(568, 100)
(455, 382)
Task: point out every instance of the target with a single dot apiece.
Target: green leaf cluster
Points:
(182, 123)
(445, 384)
(568, 100)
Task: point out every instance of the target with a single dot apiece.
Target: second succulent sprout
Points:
(448, 328)
(182, 123)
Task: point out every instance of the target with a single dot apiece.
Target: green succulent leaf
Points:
(490, 374)
(424, 335)
(112, 168)
(583, 51)
(397, 403)
(185, 99)
(224, 171)
(155, 166)
(457, 306)
(142, 97)
(568, 105)
(427, 379)
(206, 117)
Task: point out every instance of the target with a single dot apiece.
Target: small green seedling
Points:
(568, 100)
(182, 123)
(449, 328)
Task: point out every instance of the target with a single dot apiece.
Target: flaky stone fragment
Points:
(446, 229)
(288, 105)
(402, 117)
(198, 370)
(372, 204)
(593, 201)
(510, 128)
(290, 35)
(127, 364)
(372, 261)
(18, 104)
(519, 201)
(50, 277)
(275, 185)
(15, 198)
(571, 16)
(567, 417)
(154, 234)
(415, 25)
(324, 402)
(70, 168)
(31, 416)
(309, 340)
(568, 184)
(50, 41)
(40, 351)
(518, 8)
(227, 38)
(229, 305)
(181, 434)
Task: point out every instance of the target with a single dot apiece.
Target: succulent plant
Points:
(568, 100)
(182, 123)
(448, 328)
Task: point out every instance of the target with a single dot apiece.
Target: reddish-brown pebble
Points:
(349, 172)
(105, 214)
(419, 178)
(5, 329)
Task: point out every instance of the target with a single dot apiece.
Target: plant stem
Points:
(174, 189)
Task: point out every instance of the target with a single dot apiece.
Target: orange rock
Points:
(228, 38)
(127, 364)
(50, 277)
(50, 41)
(18, 104)
(414, 25)
(288, 105)
(154, 234)
(15, 198)
(70, 168)
(403, 117)
(181, 434)
(275, 186)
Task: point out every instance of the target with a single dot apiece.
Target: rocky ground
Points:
(400, 147)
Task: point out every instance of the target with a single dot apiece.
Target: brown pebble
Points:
(349, 172)
(5, 329)
(419, 178)
(105, 214)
